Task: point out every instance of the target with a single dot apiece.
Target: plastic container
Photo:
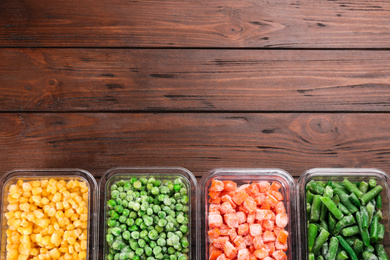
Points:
(338, 174)
(59, 174)
(160, 173)
(247, 176)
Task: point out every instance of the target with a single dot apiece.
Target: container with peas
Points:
(149, 213)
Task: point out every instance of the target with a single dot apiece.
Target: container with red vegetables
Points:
(247, 214)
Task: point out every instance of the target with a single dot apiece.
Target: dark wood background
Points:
(199, 84)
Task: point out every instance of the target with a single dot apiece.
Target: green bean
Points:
(350, 240)
(309, 197)
(352, 188)
(354, 199)
(347, 248)
(311, 235)
(328, 192)
(369, 256)
(363, 231)
(312, 256)
(320, 257)
(350, 231)
(325, 249)
(380, 251)
(343, 209)
(379, 215)
(336, 200)
(332, 222)
(342, 255)
(371, 211)
(379, 201)
(381, 232)
(371, 194)
(372, 183)
(363, 186)
(364, 215)
(324, 211)
(374, 229)
(321, 239)
(308, 210)
(315, 208)
(332, 207)
(369, 248)
(358, 247)
(344, 222)
(315, 187)
(333, 247)
(345, 200)
(324, 225)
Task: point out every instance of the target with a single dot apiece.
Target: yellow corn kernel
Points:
(38, 238)
(26, 194)
(43, 223)
(67, 256)
(52, 182)
(25, 207)
(59, 206)
(69, 213)
(50, 229)
(43, 250)
(85, 196)
(38, 213)
(66, 204)
(84, 235)
(74, 217)
(24, 223)
(55, 239)
(59, 214)
(46, 240)
(70, 249)
(10, 215)
(77, 223)
(36, 184)
(34, 252)
(33, 207)
(36, 191)
(77, 247)
(51, 212)
(83, 254)
(26, 186)
(83, 244)
(44, 183)
(23, 256)
(45, 201)
(36, 199)
(71, 240)
(54, 253)
(83, 217)
(13, 207)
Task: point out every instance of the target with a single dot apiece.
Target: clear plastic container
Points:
(247, 176)
(160, 173)
(338, 174)
(58, 174)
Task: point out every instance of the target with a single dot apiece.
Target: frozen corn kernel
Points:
(47, 219)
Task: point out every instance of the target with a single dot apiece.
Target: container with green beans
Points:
(148, 214)
(343, 214)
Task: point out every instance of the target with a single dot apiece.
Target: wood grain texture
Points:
(212, 23)
(201, 141)
(189, 80)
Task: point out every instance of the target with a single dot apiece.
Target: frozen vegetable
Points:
(47, 219)
(350, 227)
(247, 222)
(148, 219)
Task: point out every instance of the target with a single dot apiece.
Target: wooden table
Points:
(199, 84)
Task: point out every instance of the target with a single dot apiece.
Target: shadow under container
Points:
(159, 173)
(58, 174)
(338, 175)
(247, 176)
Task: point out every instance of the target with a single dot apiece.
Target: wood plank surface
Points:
(197, 141)
(211, 23)
(193, 80)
